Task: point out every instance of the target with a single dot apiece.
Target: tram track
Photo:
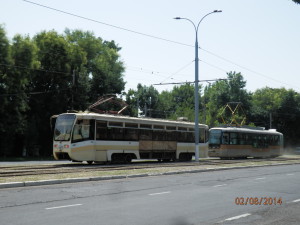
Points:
(69, 168)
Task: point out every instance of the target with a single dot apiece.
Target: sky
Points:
(259, 39)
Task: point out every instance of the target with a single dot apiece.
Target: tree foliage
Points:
(47, 75)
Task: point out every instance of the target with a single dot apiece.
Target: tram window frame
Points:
(182, 129)
(182, 136)
(171, 135)
(159, 135)
(171, 128)
(233, 140)
(242, 138)
(255, 140)
(272, 139)
(145, 126)
(215, 137)
(101, 130)
(201, 135)
(115, 124)
(276, 140)
(130, 134)
(191, 137)
(131, 125)
(84, 130)
(225, 138)
(158, 127)
(115, 133)
(250, 138)
(206, 135)
(145, 135)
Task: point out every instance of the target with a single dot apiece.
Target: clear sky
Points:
(259, 38)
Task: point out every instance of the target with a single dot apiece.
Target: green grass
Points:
(150, 171)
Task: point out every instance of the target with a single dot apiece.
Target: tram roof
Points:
(122, 118)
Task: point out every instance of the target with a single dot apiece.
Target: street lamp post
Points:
(196, 82)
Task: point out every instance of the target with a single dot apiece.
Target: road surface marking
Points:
(290, 174)
(64, 206)
(220, 185)
(238, 217)
(160, 193)
(297, 200)
(260, 178)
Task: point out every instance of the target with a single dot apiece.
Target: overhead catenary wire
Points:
(190, 82)
(107, 24)
(158, 38)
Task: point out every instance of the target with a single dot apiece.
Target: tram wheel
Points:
(166, 160)
(127, 158)
(90, 162)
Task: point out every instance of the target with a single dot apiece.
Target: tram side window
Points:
(215, 137)
(249, 138)
(202, 135)
(145, 134)
(171, 136)
(182, 136)
(131, 134)
(101, 130)
(233, 138)
(254, 141)
(242, 138)
(206, 135)
(225, 139)
(276, 140)
(190, 137)
(158, 135)
(114, 133)
(83, 130)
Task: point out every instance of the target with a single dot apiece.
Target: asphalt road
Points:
(201, 198)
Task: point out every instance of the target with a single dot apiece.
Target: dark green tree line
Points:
(47, 75)
(276, 108)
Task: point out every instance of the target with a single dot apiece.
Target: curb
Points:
(103, 178)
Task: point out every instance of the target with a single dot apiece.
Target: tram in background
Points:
(94, 137)
(235, 142)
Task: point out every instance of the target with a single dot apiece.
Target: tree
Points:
(102, 63)
(183, 101)
(279, 107)
(53, 81)
(5, 65)
(17, 60)
(222, 92)
(297, 1)
(147, 99)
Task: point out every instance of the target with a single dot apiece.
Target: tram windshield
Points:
(215, 136)
(63, 127)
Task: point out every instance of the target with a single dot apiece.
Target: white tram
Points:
(96, 137)
(234, 142)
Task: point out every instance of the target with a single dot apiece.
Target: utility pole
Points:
(72, 89)
(197, 81)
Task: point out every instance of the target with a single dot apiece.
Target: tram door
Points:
(83, 139)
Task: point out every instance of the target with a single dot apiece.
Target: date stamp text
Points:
(258, 201)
